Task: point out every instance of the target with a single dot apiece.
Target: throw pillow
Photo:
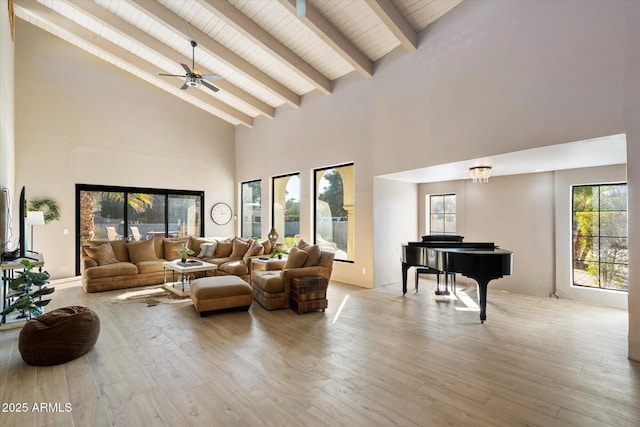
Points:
(313, 255)
(142, 251)
(171, 250)
(255, 249)
(211, 250)
(204, 247)
(239, 249)
(302, 244)
(224, 249)
(119, 248)
(296, 258)
(103, 254)
(267, 247)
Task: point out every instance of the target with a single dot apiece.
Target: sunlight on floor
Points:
(344, 301)
(470, 304)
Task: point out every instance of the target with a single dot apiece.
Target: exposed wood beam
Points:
(396, 22)
(243, 24)
(138, 36)
(145, 70)
(331, 36)
(213, 48)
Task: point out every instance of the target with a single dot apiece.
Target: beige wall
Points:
(485, 80)
(311, 137)
(82, 120)
(7, 148)
(529, 214)
(516, 213)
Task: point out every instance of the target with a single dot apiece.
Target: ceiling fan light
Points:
(480, 173)
(192, 81)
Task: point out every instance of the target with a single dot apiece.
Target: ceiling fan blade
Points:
(211, 77)
(209, 85)
(184, 87)
(186, 68)
(172, 75)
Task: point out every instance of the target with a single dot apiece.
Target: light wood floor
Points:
(385, 360)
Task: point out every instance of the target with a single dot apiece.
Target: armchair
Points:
(271, 287)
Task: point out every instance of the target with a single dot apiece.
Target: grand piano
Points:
(481, 261)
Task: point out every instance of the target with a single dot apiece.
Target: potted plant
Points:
(278, 251)
(184, 251)
(26, 298)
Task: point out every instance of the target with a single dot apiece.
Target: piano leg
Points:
(405, 267)
(482, 299)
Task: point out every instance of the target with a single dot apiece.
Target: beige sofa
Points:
(120, 264)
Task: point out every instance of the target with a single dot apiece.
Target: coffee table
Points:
(184, 278)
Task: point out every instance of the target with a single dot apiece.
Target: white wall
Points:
(80, 120)
(395, 222)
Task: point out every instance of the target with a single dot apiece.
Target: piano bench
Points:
(427, 270)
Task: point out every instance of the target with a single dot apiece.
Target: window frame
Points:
(598, 236)
(315, 207)
(242, 184)
(281, 233)
(444, 213)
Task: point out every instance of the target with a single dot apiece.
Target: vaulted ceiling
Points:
(264, 55)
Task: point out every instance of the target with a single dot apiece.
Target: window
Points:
(599, 215)
(111, 213)
(335, 210)
(442, 214)
(285, 210)
(251, 195)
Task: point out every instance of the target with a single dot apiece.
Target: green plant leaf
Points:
(42, 291)
(42, 303)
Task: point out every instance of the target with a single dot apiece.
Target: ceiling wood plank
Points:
(396, 22)
(334, 38)
(213, 48)
(138, 36)
(244, 25)
(109, 49)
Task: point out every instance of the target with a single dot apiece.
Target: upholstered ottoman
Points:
(59, 336)
(220, 292)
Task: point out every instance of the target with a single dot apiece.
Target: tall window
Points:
(442, 214)
(285, 210)
(113, 213)
(251, 194)
(600, 236)
(335, 210)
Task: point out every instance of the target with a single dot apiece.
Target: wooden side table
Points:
(308, 293)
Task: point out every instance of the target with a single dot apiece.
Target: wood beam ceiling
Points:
(123, 58)
(245, 26)
(334, 38)
(267, 57)
(213, 48)
(161, 50)
(396, 22)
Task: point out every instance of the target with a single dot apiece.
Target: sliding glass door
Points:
(113, 213)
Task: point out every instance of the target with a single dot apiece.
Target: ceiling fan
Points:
(193, 78)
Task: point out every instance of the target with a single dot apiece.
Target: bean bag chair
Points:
(59, 336)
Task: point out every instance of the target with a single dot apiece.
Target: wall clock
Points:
(221, 213)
